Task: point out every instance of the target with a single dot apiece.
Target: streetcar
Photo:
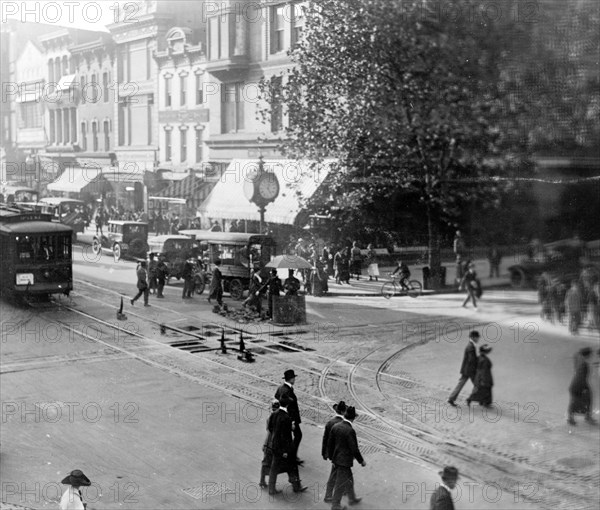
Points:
(18, 195)
(35, 253)
(239, 254)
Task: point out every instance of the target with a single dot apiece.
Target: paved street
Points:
(155, 426)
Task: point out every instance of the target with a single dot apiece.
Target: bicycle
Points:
(412, 288)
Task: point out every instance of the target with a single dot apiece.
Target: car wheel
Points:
(236, 289)
(96, 246)
(117, 252)
(199, 284)
(517, 278)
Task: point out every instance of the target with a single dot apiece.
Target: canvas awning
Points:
(74, 179)
(296, 179)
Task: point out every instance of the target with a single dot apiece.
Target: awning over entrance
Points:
(74, 179)
(296, 179)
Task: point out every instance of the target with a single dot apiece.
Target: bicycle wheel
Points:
(415, 288)
(388, 290)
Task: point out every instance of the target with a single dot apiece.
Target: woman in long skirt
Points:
(373, 266)
(482, 385)
(579, 390)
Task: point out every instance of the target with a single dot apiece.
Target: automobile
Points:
(563, 260)
(68, 211)
(124, 238)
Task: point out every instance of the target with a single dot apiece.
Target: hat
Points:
(289, 374)
(485, 348)
(340, 407)
(449, 472)
(474, 334)
(77, 479)
(350, 413)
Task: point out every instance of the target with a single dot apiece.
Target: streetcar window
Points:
(24, 248)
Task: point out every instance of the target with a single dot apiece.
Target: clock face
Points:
(268, 186)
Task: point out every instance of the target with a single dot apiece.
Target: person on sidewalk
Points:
(152, 273)
(281, 428)
(441, 499)
(372, 264)
(482, 391)
(458, 245)
(471, 283)
(142, 283)
(340, 409)
(216, 284)
(254, 298)
(162, 272)
(580, 401)
(573, 302)
(273, 288)
(291, 285)
(188, 279)
(356, 260)
(494, 257)
(468, 369)
(72, 499)
(287, 390)
(342, 449)
(265, 466)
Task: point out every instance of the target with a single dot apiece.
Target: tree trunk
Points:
(436, 276)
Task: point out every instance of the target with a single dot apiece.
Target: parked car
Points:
(563, 260)
(124, 238)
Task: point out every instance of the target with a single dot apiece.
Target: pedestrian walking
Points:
(468, 369)
(72, 498)
(152, 273)
(580, 401)
(356, 257)
(471, 283)
(482, 391)
(142, 283)
(265, 465)
(162, 272)
(573, 302)
(281, 428)
(545, 295)
(99, 221)
(287, 389)
(340, 409)
(254, 298)
(273, 289)
(458, 245)
(216, 284)
(342, 449)
(372, 265)
(188, 279)
(441, 499)
(494, 257)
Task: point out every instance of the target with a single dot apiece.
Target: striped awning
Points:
(298, 180)
(74, 179)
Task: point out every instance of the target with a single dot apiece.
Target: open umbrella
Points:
(289, 262)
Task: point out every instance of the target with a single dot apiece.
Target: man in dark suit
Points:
(441, 499)
(468, 368)
(280, 428)
(342, 449)
(340, 409)
(287, 388)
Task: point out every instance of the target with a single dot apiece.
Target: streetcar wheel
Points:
(236, 289)
(117, 252)
(388, 290)
(415, 288)
(199, 285)
(96, 246)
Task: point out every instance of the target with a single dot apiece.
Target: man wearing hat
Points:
(468, 368)
(72, 498)
(280, 427)
(342, 449)
(340, 409)
(287, 389)
(441, 499)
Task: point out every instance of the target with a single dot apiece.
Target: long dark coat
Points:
(216, 284)
(292, 407)
(581, 394)
(469, 364)
(483, 381)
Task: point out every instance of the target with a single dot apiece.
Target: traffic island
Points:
(289, 310)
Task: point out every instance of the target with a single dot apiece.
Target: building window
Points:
(83, 136)
(95, 136)
(52, 127)
(105, 86)
(57, 69)
(276, 105)
(199, 146)
(182, 90)
(83, 91)
(123, 110)
(149, 111)
(168, 92)
(106, 136)
(277, 28)
(65, 65)
(59, 121)
(73, 125)
(94, 87)
(298, 21)
(30, 115)
(232, 107)
(66, 120)
(183, 145)
(168, 148)
(199, 95)
(51, 71)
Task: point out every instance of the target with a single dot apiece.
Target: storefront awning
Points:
(66, 82)
(74, 179)
(297, 179)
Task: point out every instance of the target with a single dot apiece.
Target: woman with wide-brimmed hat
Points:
(72, 499)
(482, 392)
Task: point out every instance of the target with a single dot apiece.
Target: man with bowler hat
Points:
(441, 499)
(340, 409)
(342, 449)
(468, 368)
(280, 427)
(72, 499)
(287, 388)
